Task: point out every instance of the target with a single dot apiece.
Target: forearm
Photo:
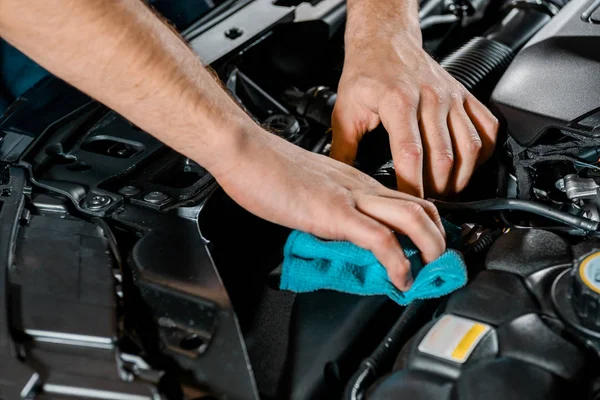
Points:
(120, 53)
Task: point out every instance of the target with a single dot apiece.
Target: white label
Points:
(453, 338)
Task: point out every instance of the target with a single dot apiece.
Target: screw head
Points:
(97, 202)
(233, 33)
(129, 190)
(156, 197)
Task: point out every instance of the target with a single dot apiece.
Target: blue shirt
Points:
(19, 73)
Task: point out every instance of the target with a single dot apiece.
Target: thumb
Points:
(346, 134)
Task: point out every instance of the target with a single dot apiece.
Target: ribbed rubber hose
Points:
(479, 64)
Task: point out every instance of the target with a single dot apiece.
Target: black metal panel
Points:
(553, 82)
(15, 375)
(254, 19)
(180, 286)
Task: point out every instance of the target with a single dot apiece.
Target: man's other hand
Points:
(438, 131)
(283, 183)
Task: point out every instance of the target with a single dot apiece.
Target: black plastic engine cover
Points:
(553, 82)
(522, 354)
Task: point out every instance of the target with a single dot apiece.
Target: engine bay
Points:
(129, 274)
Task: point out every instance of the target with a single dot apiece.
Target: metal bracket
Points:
(578, 188)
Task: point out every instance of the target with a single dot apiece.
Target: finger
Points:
(467, 144)
(428, 206)
(406, 217)
(486, 124)
(345, 135)
(439, 157)
(381, 241)
(399, 117)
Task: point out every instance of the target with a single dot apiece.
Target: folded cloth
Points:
(311, 264)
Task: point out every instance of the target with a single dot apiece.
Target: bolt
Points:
(233, 33)
(156, 197)
(129, 190)
(98, 202)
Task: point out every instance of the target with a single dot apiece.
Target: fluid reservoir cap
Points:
(285, 125)
(585, 290)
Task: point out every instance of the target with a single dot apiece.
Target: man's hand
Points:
(122, 55)
(438, 131)
(290, 186)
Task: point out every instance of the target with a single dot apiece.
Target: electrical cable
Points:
(112, 240)
(520, 205)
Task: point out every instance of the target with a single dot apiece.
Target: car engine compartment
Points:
(127, 273)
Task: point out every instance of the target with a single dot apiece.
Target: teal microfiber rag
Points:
(311, 264)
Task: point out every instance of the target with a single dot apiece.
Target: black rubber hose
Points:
(521, 205)
(478, 65)
(482, 244)
(382, 357)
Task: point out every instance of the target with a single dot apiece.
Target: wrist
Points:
(237, 144)
(231, 141)
(373, 21)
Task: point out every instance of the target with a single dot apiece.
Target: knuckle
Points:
(410, 152)
(475, 145)
(346, 203)
(457, 97)
(369, 182)
(432, 211)
(444, 159)
(494, 125)
(433, 93)
(415, 211)
(400, 91)
(384, 238)
(403, 96)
